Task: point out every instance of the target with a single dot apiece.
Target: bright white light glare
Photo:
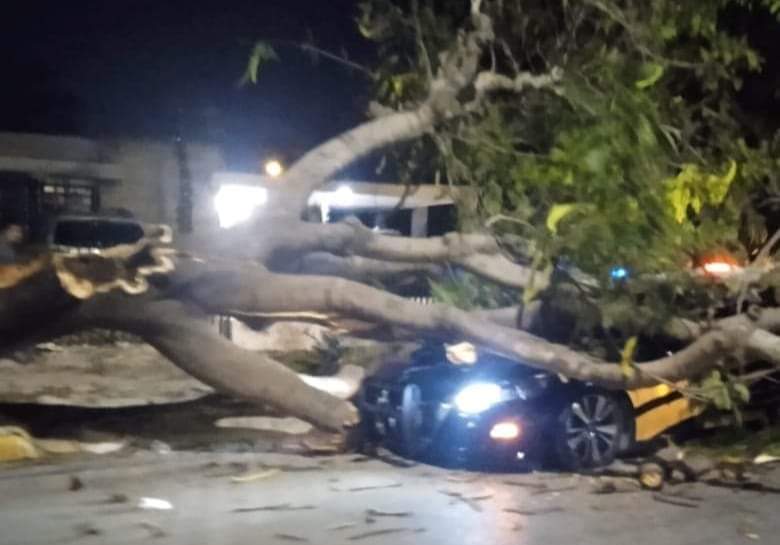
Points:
(477, 398)
(343, 196)
(273, 168)
(718, 268)
(505, 430)
(235, 203)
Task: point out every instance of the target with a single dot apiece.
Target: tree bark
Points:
(182, 334)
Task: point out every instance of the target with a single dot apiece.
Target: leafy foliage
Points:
(641, 159)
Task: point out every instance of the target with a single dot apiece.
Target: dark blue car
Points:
(493, 412)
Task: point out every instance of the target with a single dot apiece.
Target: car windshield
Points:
(96, 233)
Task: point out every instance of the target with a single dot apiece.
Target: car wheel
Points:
(414, 436)
(591, 429)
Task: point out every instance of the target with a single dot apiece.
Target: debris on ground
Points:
(342, 526)
(49, 347)
(376, 533)
(277, 507)
(531, 512)
(291, 537)
(471, 501)
(160, 447)
(675, 500)
(158, 504)
(75, 484)
(379, 513)
(88, 529)
(368, 487)
(255, 476)
(614, 485)
(16, 444)
(154, 530)
(762, 459)
(287, 425)
(118, 498)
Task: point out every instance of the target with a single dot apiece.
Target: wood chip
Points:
(530, 512)
(256, 476)
(277, 507)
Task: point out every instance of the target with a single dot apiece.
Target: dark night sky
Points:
(126, 67)
(133, 67)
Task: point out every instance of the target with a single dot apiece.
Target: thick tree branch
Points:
(238, 291)
(363, 269)
(476, 253)
(183, 335)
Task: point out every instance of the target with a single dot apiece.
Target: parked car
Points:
(75, 234)
(498, 411)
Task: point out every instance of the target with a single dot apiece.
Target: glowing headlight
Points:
(476, 398)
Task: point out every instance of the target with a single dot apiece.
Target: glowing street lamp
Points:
(273, 168)
(235, 203)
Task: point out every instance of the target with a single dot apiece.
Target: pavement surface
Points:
(349, 499)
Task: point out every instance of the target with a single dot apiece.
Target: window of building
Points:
(71, 197)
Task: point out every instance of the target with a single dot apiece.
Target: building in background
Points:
(43, 176)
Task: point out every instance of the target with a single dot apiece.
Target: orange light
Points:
(505, 431)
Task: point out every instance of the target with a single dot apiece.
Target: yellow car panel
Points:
(660, 407)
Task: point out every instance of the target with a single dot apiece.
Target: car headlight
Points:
(479, 397)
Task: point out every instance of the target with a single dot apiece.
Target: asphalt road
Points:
(330, 501)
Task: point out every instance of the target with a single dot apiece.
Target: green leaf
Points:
(742, 391)
(261, 54)
(651, 73)
(627, 357)
(557, 213)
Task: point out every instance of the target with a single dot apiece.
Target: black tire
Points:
(592, 427)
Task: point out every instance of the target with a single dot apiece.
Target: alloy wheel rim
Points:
(592, 428)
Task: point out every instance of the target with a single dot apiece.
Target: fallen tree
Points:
(278, 264)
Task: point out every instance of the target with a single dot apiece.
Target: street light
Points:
(273, 168)
(235, 203)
